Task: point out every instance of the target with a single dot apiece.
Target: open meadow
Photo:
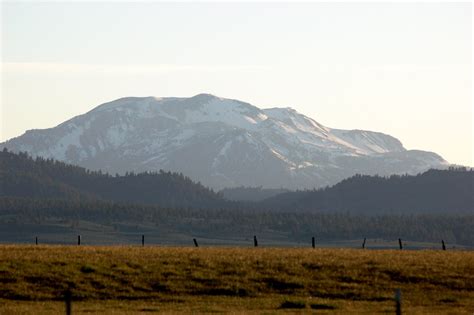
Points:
(132, 279)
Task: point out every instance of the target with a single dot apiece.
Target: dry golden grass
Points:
(129, 280)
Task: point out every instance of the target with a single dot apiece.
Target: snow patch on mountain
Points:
(224, 111)
(369, 142)
(70, 139)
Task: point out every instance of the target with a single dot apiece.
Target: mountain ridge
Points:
(221, 143)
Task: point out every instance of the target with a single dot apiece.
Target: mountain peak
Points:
(220, 142)
(204, 97)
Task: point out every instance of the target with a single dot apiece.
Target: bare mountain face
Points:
(222, 143)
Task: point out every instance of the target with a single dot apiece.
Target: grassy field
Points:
(130, 280)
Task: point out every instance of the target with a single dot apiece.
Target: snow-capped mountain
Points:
(220, 142)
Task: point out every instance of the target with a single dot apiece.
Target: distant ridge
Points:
(22, 176)
(221, 143)
(433, 192)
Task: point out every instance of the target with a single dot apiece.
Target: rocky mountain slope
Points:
(221, 143)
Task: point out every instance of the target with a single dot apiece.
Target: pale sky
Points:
(403, 69)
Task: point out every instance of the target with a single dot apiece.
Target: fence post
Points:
(36, 240)
(398, 302)
(143, 240)
(400, 243)
(67, 300)
(313, 242)
(443, 245)
(255, 242)
(195, 242)
(78, 240)
(363, 243)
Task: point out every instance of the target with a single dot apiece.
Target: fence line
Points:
(256, 243)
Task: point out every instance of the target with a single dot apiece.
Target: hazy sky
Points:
(403, 69)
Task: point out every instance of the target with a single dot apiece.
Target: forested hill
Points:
(435, 191)
(23, 176)
(36, 193)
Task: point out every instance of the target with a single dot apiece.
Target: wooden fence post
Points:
(67, 300)
(195, 242)
(363, 243)
(443, 245)
(255, 242)
(400, 243)
(78, 240)
(313, 242)
(143, 240)
(398, 302)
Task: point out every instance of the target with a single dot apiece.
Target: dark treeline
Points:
(435, 191)
(215, 223)
(435, 205)
(23, 176)
(251, 193)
